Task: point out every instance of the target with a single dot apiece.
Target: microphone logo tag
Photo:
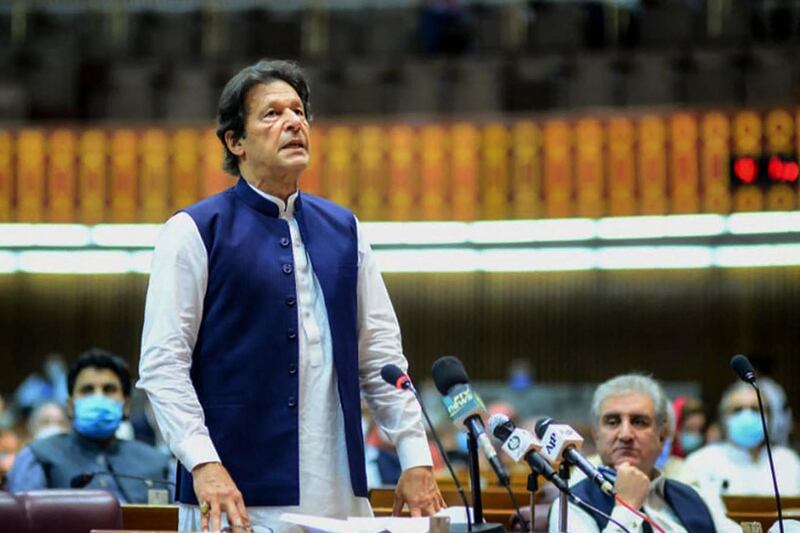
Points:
(552, 442)
(461, 402)
(517, 444)
(556, 439)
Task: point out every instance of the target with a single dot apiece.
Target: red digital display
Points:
(782, 171)
(765, 170)
(746, 169)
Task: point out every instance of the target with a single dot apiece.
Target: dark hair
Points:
(231, 112)
(97, 358)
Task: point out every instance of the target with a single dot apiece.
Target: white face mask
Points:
(48, 431)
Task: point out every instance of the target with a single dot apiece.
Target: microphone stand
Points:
(769, 456)
(475, 478)
(563, 502)
(533, 488)
(439, 445)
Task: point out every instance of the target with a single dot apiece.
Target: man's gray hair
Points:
(640, 384)
(735, 388)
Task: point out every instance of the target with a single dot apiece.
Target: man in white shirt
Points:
(266, 319)
(739, 464)
(631, 424)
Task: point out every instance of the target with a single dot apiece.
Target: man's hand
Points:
(417, 488)
(214, 485)
(632, 485)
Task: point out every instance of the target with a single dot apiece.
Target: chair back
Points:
(12, 514)
(70, 510)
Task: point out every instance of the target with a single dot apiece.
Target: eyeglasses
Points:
(739, 408)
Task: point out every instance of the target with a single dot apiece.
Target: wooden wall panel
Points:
(580, 326)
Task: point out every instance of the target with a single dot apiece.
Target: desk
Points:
(150, 517)
(760, 509)
(497, 505)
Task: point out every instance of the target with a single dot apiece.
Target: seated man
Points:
(46, 420)
(739, 464)
(99, 386)
(631, 424)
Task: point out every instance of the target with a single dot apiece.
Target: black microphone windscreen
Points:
(541, 426)
(496, 420)
(391, 373)
(448, 371)
(741, 365)
(500, 426)
(81, 480)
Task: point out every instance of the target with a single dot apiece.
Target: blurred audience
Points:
(631, 425)
(780, 421)
(690, 425)
(739, 464)
(99, 387)
(383, 463)
(9, 440)
(46, 420)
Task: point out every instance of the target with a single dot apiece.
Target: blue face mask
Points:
(97, 416)
(690, 441)
(666, 450)
(461, 442)
(745, 430)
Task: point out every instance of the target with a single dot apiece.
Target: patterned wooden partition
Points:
(588, 166)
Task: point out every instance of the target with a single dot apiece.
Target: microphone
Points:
(561, 442)
(84, 478)
(744, 369)
(741, 365)
(465, 406)
(521, 444)
(394, 375)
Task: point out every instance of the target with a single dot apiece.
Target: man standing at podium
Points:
(266, 320)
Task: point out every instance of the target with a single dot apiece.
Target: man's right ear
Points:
(234, 144)
(70, 408)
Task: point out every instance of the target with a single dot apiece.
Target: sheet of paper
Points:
(384, 524)
(318, 524)
(456, 514)
(392, 524)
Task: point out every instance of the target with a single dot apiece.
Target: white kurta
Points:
(655, 507)
(173, 314)
(724, 468)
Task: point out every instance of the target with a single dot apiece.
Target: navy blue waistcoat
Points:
(245, 361)
(691, 510)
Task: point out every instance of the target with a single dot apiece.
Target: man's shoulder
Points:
(209, 204)
(713, 452)
(786, 454)
(56, 442)
(141, 448)
(324, 204)
(142, 452)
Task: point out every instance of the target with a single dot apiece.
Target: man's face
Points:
(627, 431)
(276, 139)
(740, 400)
(90, 381)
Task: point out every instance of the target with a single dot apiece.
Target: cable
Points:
(113, 474)
(459, 488)
(639, 514)
(597, 511)
(516, 507)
